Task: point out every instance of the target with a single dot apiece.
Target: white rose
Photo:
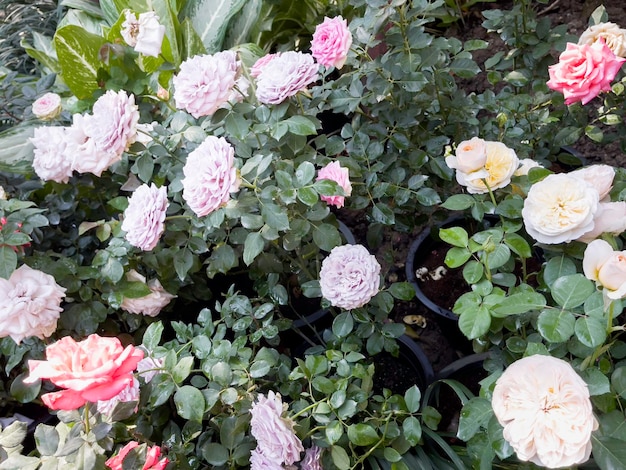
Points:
(610, 218)
(499, 167)
(150, 304)
(560, 208)
(470, 156)
(150, 37)
(525, 165)
(607, 267)
(599, 176)
(613, 35)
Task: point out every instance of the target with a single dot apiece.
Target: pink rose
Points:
(274, 434)
(607, 267)
(584, 71)
(205, 82)
(599, 176)
(149, 367)
(289, 73)
(130, 393)
(152, 458)
(96, 368)
(81, 148)
(50, 160)
(609, 218)
(331, 42)
(150, 304)
(312, 459)
(144, 34)
(349, 276)
(545, 410)
(31, 304)
(210, 176)
(334, 172)
(113, 124)
(144, 218)
(260, 64)
(47, 107)
(259, 461)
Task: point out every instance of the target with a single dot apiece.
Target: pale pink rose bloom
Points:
(149, 367)
(130, 393)
(612, 34)
(82, 150)
(152, 458)
(525, 165)
(497, 171)
(560, 208)
(50, 160)
(312, 459)
(274, 434)
(260, 64)
(545, 410)
(610, 218)
(288, 74)
(259, 461)
(47, 107)
(599, 176)
(113, 125)
(144, 34)
(210, 176)
(607, 267)
(349, 276)
(334, 172)
(144, 218)
(331, 42)
(31, 304)
(470, 156)
(205, 82)
(583, 71)
(151, 304)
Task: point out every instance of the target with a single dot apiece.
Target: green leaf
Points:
(475, 323)
(182, 369)
(572, 290)
(189, 403)
(455, 236)
(301, 125)
(558, 267)
(473, 272)
(381, 213)
(475, 414)
(343, 324)
(8, 261)
(215, 453)
(24, 393)
(465, 68)
(211, 18)
(608, 453)
(192, 42)
(557, 326)
(275, 216)
(456, 257)
(78, 53)
(362, 434)
(518, 245)
(308, 195)
(412, 430)
(253, 246)
(340, 457)
(326, 236)
(152, 335)
(161, 388)
(412, 398)
(597, 382)
(402, 290)
(458, 202)
(16, 149)
(590, 331)
(305, 173)
(183, 261)
(520, 302)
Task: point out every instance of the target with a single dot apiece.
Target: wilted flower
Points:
(333, 171)
(290, 73)
(47, 107)
(130, 393)
(545, 410)
(151, 304)
(607, 267)
(349, 276)
(50, 159)
(31, 304)
(331, 42)
(612, 35)
(144, 218)
(152, 458)
(144, 34)
(210, 176)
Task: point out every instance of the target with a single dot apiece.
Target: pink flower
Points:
(144, 218)
(260, 461)
(210, 176)
(607, 267)
(81, 148)
(545, 410)
(113, 124)
(47, 107)
(96, 368)
(333, 171)
(51, 161)
(150, 304)
(274, 434)
(331, 42)
(599, 176)
(130, 393)
(144, 34)
(205, 82)
(610, 217)
(350, 276)
(152, 458)
(260, 64)
(289, 73)
(584, 71)
(31, 304)
(149, 367)
(312, 459)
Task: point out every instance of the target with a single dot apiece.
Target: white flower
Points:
(470, 156)
(525, 165)
(613, 36)
(609, 218)
(607, 267)
(284, 76)
(144, 34)
(150, 304)
(599, 176)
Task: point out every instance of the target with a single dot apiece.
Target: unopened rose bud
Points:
(163, 94)
(501, 119)
(47, 107)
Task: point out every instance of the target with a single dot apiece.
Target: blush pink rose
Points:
(349, 276)
(334, 172)
(331, 42)
(599, 176)
(47, 107)
(259, 461)
(470, 156)
(144, 218)
(130, 393)
(260, 64)
(312, 459)
(152, 458)
(274, 434)
(607, 267)
(96, 368)
(210, 176)
(205, 82)
(583, 71)
(113, 124)
(149, 367)
(31, 304)
(81, 148)
(609, 218)
(50, 160)
(151, 304)
(544, 407)
(289, 73)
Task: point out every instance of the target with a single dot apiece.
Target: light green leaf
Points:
(192, 43)
(301, 125)
(557, 326)
(458, 202)
(340, 457)
(362, 434)
(412, 398)
(455, 236)
(475, 323)
(590, 331)
(211, 18)
(521, 302)
(572, 290)
(152, 335)
(182, 369)
(305, 173)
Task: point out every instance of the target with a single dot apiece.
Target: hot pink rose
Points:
(150, 304)
(331, 42)
(50, 160)
(31, 304)
(584, 71)
(47, 107)
(289, 73)
(210, 176)
(144, 218)
(333, 171)
(96, 368)
(152, 458)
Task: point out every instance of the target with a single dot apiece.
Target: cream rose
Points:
(470, 156)
(614, 37)
(607, 267)
(610, 218)
(560, 208)
(599, 176)
(544, 407)
(525, 165)
(499, 167)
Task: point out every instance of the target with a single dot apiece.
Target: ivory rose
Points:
(525, 165)
(607, 267)
(333, 171)
(47, 107)
(51, 162)
(609, 218)
(583, 71)
(331, 42)
(545, 410)
(144, 33)
(289, 73)
(152, 458)
(96, 368)
(613, 36)
(349, 276)
(560, 208)
(144, 218)
(31, 304)
(470, 156)
(599, 176)
(151, 304)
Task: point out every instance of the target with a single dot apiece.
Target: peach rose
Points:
(545, 410)
(599, 176)
(607, 267)
(610, 218)
(94, 369)
(613, 36)
(152, 458)
(470, 156)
